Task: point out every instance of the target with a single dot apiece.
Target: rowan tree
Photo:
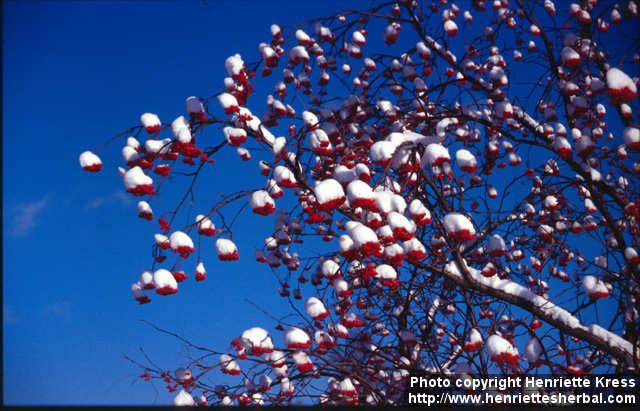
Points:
(469, 168)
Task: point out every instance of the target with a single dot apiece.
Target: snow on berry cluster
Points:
(406, 187)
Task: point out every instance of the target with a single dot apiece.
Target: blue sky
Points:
(75, 74)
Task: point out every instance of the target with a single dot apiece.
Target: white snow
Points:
(361, 235)
(346, 244)
(298, 54)
(324, 339)
(414, 249)
(553, 311)
(504, 109)
(229, 365)
(133, 142)
(150, 121)
(436, 154)
(234, 136)
(144, 208)
(179, 239)
(346, 387)
(315, 308)
(163, 279)
(384, 233)
(459, 226)
(339, 330)
(631, 136)
(423, 50)
(274, 189)
(184, 399)
(381, 152)
(329, 194)
(268, 54)
(181, 130)
(136, 290)
(130, 155)
(320, 142)
(621, 84)
(90, 161)
(496, 245)
(284, 177)
(135, 177)
(358, 38)
(594, 287)
(466, 161)
(400, 225)
(533, 350)
(200, 269)
(302, 37)
(226, 249)
(205, 225)
(385, 272)
(387, 201)
(286, 387)
(551, 202)
(394, 251)
(631, 255)
(152, 146)
(146, 280)
(228, 102)
(302, 361)
(261, 202)
(419, 212)
(496, 345)
(391, 33)
(474, 336)
(611, 338)
(234, 65)
(329, 269)
(277, 358)
(341, 287)
(310, 119)
(296, 338)
(161, 240)
(257, 339)
(360, 194)
(450, 27)
(569, 57)
(275, 30)
(194, 105)
(562, 146)
(363, 172)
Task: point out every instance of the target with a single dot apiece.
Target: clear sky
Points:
(76, 73)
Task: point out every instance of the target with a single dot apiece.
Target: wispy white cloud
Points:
(95, 203)
(23, 218)
(118, 197)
